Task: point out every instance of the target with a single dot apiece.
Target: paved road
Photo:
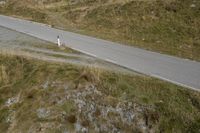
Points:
(179, 71)
(17, 43)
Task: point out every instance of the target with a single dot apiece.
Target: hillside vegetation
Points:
(43, 97)
(166, 26)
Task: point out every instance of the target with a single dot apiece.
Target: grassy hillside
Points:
(38, 96)
(166, 26)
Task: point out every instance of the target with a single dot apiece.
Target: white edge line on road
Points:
(108, 60)
(177, 83)
(82, 51)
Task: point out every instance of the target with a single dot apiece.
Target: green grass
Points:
(49, 46)
(52, 55)
(68, 107)
(175, 106)
(26, 79)
(177, 109)
(4, 112)
(55, 48)
(169, 27)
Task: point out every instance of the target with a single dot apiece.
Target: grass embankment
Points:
(53, 47)
(166, 26)
(39, 89)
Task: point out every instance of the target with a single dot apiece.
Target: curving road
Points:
(176, 70)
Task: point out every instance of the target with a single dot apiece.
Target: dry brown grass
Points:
(176, 108)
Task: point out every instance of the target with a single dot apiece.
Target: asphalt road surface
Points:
(176, 70)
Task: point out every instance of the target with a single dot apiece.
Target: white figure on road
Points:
(58, 40)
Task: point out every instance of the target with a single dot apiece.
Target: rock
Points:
(2, 2)
(65, 131)
(78, 127)
(84, 130)
(66, 87)
(97, 109)
(43, 113)
(12, 101)
(192, 5)
(45, 85)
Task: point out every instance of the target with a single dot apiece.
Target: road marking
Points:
(93, 55)
(82, 51)
(108, 60)
(169, 80)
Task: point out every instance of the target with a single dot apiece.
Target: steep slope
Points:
(43, 97)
